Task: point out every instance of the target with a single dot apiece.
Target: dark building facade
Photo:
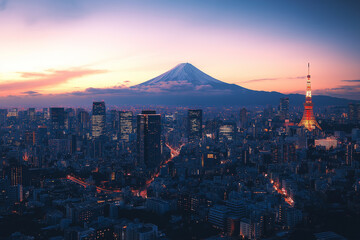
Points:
(354, 112)
(57, 121)
(194, 125)
(243, 118)
(149, 139)
(284, 108)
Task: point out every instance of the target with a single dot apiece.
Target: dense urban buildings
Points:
(179, 120)
(153, 174)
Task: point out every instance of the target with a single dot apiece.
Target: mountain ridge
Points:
(185, 79)
(186, 76)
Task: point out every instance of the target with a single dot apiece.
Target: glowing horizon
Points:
(55, 48)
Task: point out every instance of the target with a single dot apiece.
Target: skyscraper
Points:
(354, 112)
(57, 121)
(114, 120)
(148, 139)
(125, 125)
(3, 113)
(31, 114)
(45, 113)
(308, 120)
(284, 108)
(227, 131)
(243, 118)
(194, 125)
(83, 123)
(98, 119)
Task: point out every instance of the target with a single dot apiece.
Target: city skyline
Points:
(71, 46)
(163, 119)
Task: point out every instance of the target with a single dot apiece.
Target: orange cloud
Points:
(30, 81)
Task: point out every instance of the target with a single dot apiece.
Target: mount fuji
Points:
(183, 85)
(186, 84)
(184, 78)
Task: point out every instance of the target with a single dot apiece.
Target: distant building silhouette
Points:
(243, 118)
(83, 122)
(57, 121)
(194, 125)
(284, 108)
(354, 112)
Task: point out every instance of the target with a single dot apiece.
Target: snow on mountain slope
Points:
(185, 77)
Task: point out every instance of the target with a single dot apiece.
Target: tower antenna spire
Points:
(308, 68)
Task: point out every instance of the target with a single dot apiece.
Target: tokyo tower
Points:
(308, 120)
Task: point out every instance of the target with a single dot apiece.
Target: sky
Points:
(50, 47)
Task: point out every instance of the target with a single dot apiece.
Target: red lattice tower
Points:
(308, 120)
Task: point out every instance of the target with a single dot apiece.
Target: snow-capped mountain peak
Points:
(184, 77)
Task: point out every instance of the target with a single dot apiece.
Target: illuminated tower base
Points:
(308, 120)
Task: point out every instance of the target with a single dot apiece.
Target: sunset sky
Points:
(54, 47)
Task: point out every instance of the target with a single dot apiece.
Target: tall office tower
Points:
(12, 116)
(70, 120)
(98, 119)
(114, 120)
(125, 125)
(31, 114)
(194, 125)
(284, 108)
(308, 120)
(3, 114)
(46, 114)
(83, 123)
(227, 131)
(148, 139)
(354, 112)
(243, 118)
(57, 121)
